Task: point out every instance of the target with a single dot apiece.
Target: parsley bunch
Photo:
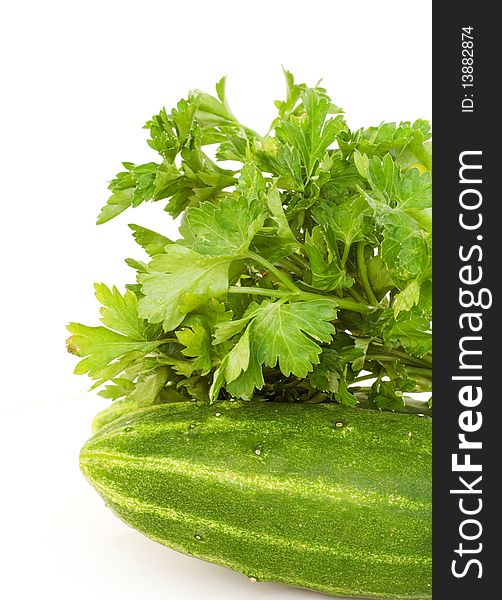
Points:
(302, 274)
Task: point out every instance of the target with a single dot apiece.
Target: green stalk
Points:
(343, 303)
(388, 357)
(356, 295)
(363, 274)
(300, 261)
(270, 267)
(423, 382)
(420, 371)
(345, 254)
(287, 263)
(363, 378)
(427, 359)
(414, 360)
(173, 340)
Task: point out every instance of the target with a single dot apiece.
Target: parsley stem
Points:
(422, 371)
(356, 295)
(343, 303)
(345, 254)
(258, 291)
(270, 267)
(363, 378)
(425, 361)
(388, 357)
(300, 261)
(291, 266)
(363, 274)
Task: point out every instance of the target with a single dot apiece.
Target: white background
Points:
(79, 80)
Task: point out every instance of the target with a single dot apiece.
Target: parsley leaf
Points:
(285, 333)
(406, 190)
(346, 220)
(326, 272)
(100, 346)
(178, 282)
(312, 132)
(124, 337)
(303, 272)
(153, 243)
(276, 333)
(120, 312)
(222, 230)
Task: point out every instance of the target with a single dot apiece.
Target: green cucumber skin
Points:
(117, 409)
(278, 491)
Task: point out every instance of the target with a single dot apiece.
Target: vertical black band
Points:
(468, 360)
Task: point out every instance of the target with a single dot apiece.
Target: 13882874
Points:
(467, 68)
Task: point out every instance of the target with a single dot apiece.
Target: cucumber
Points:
(322, 497)
(117, 409)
